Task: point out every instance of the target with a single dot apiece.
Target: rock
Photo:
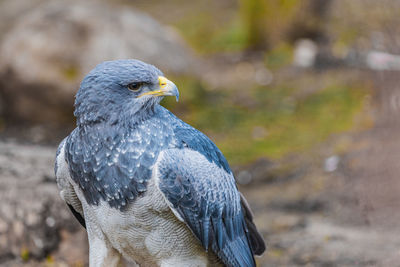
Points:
(34, 221)
(11, 11)
(377, 60)
(331, 163)
(305, 53)
(50, 48)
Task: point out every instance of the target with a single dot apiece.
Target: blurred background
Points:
(302, 97)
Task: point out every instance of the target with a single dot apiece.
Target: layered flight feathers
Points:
(200, 187)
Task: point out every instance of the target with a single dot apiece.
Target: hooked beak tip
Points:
(176, 93)
(168, 88)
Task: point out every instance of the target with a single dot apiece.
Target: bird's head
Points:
(121, 90)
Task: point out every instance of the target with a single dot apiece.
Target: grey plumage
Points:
(124, 140)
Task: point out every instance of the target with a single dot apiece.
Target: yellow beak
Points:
(166, 88)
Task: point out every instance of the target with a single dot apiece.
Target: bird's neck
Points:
(123, 120)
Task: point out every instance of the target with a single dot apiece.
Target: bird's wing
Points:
(203, 194)
(67, 191)
(256, 240)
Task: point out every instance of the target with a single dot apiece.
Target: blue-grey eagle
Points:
(145, 184)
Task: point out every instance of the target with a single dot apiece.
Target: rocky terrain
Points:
(34, 222)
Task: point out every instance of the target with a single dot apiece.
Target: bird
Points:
(147, 187)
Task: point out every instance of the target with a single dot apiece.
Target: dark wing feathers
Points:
(77, 215)
(256, 240)
(206, 197)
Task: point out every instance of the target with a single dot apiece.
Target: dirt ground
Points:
(348, 217)
(345, 217)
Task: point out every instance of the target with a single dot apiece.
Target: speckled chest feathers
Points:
(114, 162)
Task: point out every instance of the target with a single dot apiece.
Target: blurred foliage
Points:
(266, 20)
(280, 56)
(201, 32)
(70, 72)
(234, 26)
(25, 254)
(281, 118)
(374, 24)
(254, 24)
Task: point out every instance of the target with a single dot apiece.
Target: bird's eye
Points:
(135, 86)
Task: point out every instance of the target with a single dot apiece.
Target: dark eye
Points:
(135, 86)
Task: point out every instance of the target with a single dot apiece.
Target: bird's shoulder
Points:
(187, 136)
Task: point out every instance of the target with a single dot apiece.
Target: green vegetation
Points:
(256, 24)
(280, 121)
(267, 20)
(234, 26)
(25, 254)
(201, 32)
(70, 72)
(278, 57)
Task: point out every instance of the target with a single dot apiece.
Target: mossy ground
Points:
(281, 118)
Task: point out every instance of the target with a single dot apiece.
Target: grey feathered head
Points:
(121, 91)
